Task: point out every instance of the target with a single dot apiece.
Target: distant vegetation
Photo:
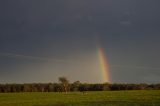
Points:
(56, 87)
(76, 86)
(65, 86)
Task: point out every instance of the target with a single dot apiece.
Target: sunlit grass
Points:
(106, 98)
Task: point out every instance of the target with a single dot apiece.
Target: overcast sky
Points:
(41, 40)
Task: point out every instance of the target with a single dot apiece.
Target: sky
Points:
(41, 40)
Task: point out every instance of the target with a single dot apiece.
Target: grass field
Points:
(106, 98)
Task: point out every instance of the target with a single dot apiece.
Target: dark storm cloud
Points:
(65, 29)
(69, 16)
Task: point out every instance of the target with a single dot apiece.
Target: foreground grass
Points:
(106, 98)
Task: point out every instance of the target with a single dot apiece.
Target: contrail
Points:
(31, 57)
(135, 67)
(43, 59)
(69, 61)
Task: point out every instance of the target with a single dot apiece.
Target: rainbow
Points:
(104, 65)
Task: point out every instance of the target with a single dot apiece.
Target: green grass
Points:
(106, 98)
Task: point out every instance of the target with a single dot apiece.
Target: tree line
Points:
(65, 86)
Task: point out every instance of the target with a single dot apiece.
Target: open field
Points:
(103, 98)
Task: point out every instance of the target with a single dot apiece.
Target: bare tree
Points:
(64, 84)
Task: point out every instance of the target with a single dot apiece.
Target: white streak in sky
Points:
(31, 57)
(43, 58)
(72, 62)
(135, 67)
